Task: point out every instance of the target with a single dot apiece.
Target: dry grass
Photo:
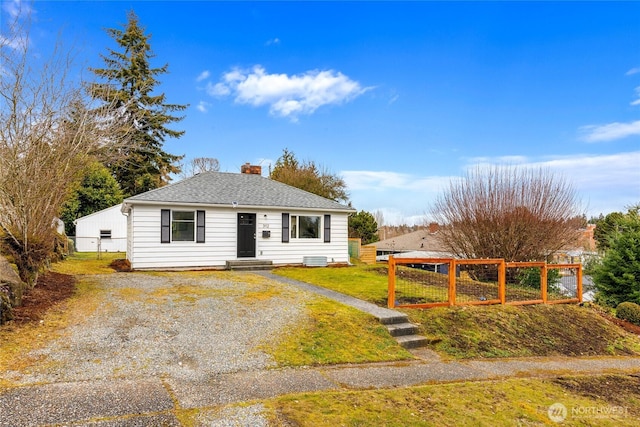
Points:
(512, 402)
(17, 341)
(87, 263)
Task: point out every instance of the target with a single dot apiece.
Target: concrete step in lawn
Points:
(396, 323)
(406, 335)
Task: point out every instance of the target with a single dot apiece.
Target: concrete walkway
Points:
(152, 401)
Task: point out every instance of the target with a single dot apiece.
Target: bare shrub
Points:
(519, 214)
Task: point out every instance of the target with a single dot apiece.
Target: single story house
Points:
(417, 244)
(214, 218)
(102, 231)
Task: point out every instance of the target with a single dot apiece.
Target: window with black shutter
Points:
(285, 228)
(327, 228)
(165, 226)
(200, 227)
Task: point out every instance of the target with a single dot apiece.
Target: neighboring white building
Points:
(102, 231)
(214, 218)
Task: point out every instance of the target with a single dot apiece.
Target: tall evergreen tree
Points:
(128, 81)
(363, 225)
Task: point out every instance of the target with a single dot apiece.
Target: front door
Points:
(246, 235)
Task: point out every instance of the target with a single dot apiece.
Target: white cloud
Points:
(203, 76)
(604, 183)
(632, 71)
(17, 8)
(610, 132)
(203, 106)
(218, 89)
(272, 41)
(17, 42)
(287, 96)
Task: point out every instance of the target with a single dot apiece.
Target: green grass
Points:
(486, 331)
(364, 282)
(333, 334)
(520, 331)
(501, 403)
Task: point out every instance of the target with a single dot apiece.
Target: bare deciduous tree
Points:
(518, 214)
(200, 164)
(47, 134)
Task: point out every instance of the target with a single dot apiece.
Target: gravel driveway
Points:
(183, 326)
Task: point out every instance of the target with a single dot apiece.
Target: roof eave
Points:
(127, 204)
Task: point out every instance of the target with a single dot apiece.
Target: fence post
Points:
(452, 282)
(543, 282)
(579, 279)
(502, 282)
(391, 296)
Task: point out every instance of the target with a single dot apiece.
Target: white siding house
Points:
(215, 217)
(104, 231)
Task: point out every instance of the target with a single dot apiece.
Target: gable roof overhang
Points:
(126, 207)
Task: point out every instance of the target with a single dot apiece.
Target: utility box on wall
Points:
(266, 234)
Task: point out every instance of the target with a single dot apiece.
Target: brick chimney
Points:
(251, 169)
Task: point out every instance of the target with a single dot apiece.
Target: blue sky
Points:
(397, 98)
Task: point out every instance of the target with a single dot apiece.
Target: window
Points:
(182, 226)
(305, 227)
(105, 234)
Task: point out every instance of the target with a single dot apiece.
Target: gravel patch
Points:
(64, 402)
(235, 416)
(182, 326)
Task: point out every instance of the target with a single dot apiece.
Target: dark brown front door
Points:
(246, 235)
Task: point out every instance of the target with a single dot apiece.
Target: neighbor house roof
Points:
(118, 207)
(233, 189)
(421, 240)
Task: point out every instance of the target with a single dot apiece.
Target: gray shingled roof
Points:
(420, 240)
(221, 188)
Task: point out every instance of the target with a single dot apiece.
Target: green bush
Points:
(530, 278)
(629, 311)
(617, 276)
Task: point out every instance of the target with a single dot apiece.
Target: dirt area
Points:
(51, 289)
(615, 389)
(121, 265)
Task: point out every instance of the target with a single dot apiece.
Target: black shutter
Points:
(165, 226)
(285, 228)
(327, 228)
(200, 227)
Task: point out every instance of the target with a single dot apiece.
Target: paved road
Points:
(159, 343)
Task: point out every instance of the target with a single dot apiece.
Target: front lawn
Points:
(486, 331)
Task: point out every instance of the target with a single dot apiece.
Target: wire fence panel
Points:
(416, 284)
(523, 282)
(564, 282)
(431, 282)
(419, 283)
(477, 282)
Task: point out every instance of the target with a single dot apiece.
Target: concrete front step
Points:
(412, 341)
(399, 329)
(249, 264)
